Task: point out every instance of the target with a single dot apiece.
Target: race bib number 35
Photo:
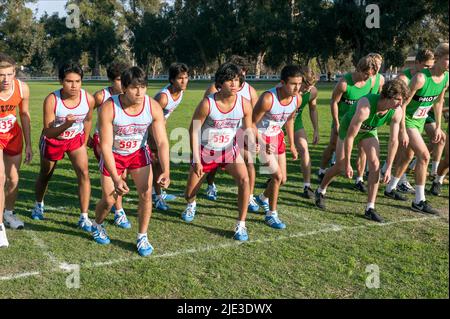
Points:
(422, 112)
(127, 145)
(7, 123)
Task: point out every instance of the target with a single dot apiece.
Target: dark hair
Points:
(115, 70)
(226, 72)
(366, 63)
(133, 76)
(290, 71)
(424, 55)
(70, 67)
(176, 69)
(6, 61)
(395, 87)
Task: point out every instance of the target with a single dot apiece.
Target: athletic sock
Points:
(84, 215)
(270, 213)
(305, 185)
(359, 179)
(322, 191)
(434, 167)
(392, 184)
(139, 235)
(370, 205)
(240, 223)
(439, 179)
(193, 204)
(322, 171)
(263, 198)
(420, 194)
(40, 204)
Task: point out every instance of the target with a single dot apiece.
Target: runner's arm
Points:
(313, 114)
(25, 121)
(211, 90)
(338, 91)
(49, 118)
(438, 106)
(88, 119)
(199, 117)
(159, 133)
(393, 138)
(105, 127)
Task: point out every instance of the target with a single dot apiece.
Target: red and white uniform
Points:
(10, 132)
(172, 104)
(107, 93)
(130, 134)
(245, 91)
(73, 137)
(218, 134)
(271, 125)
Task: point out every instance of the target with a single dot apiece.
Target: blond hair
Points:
(366, 63)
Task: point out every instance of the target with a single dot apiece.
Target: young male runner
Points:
(214, 126)
(247, 91)
(347, 92)
(427, 91)
(309, 96)
(359, 126)
(274, 109)
(67, 123)
(14, 94)
(169, 98)
(113, 72)
(124, 121)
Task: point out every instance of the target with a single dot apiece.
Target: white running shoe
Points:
(12, 221)
(3, 239)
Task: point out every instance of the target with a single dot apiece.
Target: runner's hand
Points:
(349, 171)
(315, 138)
(28, 155)
(198, 169)
(294, 153)
(387, 176)
(90, 142)
(438, 136)
(404, 139)
(121, 187)
(70, 119)
(164, 180)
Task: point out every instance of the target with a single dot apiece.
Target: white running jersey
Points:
(130, 131)
(171, 103)
(219, 129)
(107, 93)
(274, 120)
(80, 112)
(245, 91)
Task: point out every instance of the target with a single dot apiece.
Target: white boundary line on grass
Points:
(332, 228)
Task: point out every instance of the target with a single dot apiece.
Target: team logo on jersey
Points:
(227, 123)
(348, 101)
(421, 99)
(366, 128)
(7, 108)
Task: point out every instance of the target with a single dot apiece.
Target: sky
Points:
(50, 6)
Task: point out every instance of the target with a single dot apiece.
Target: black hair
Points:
(226, 72)
(176, 69)
(133, 76)
(70, 67)
(115, 70)
(290, 71)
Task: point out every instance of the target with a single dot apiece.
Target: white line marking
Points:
(231, 244)
(21, 275)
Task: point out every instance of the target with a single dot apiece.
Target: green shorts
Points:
(418, 124)
(359, 137)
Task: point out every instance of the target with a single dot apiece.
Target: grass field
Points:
(319, 255)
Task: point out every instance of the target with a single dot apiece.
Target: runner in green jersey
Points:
(359, 126)
(347, 92)
(442, 168)
(424, 60)
(427, 90)
(309, 96)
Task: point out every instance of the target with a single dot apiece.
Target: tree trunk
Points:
(96, 69)
(259, 64)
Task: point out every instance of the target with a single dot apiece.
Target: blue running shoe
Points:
(211, 192)
(161, 204)
(144, 247)
(100, 236)
(240, 233)
(274, 222)
(167, 197)
(38, 212)
(121, 220)
(85, 224)
(189, 214)
(252, 205)
(264, 205)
